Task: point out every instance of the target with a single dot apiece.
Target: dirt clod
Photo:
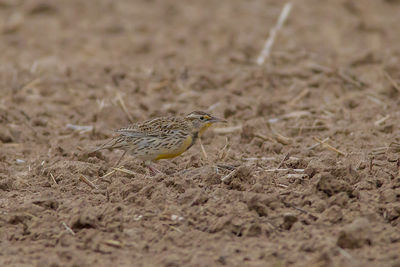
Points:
(355, 235)
(84, 219)
(5, 135)
(255, 204)
(288, 220)
(331, 185)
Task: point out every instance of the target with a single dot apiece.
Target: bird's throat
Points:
(204, 128)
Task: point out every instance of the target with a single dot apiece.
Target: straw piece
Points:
(273, 32)
(86, 181)
(302, 94)
(329, 147)
(54, 180)
(124, 108)
(203, 151)
(390, 79)
(225, 130)
(68, 229)
(382, 120)
(125, 171)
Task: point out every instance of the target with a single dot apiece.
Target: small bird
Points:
(161, 138)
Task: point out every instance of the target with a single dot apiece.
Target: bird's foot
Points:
(153, 171)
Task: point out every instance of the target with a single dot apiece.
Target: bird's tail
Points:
(111, 144)
(94, 150)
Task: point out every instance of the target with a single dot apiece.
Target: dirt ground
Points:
(305, 173)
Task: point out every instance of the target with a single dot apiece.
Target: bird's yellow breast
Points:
(204, 128)
(172, 153)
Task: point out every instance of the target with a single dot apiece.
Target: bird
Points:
(161, 138)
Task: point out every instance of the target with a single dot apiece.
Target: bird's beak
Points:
(215, 119)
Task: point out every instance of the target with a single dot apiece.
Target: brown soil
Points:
(333, 73)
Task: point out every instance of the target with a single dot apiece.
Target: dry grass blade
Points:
(107, 174)
(125, 171)
(68, 229)
(309, 128)
(123, 107)
(213, 106)
(274, 31)
(203, 151)
(345, 253)
(31, 84)
(226, 167)
(260, 159)
(52, 177)
(287, 156)
(80, 128)
(302, 94)
(392, 82)
(329, 147)
(279, 137)
(377, 101)
(158, 85)
(263, 137)
(226, 130)
(319, 68)
(317, 144)
(284, 170)
(381, 120)
(101, 104)
(175, 228)
(113, 243)
(302, 210)
(227, 178)
(345, 77)
(297, 114)
(225, 150)
(87, 181)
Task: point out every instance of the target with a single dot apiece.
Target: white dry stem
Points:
(319, 143)
(125, 171)
(203, 151)
(226, 130)
(382, 120)
(80, 128)
(227, 178)
(283, 170)
(54, 179)
(272, 35)
(68, 228)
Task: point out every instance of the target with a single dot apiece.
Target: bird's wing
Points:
(137, 134)
(146, 126)
(153, 127)
(124, 138)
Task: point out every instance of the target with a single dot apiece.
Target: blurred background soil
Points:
(268, 194)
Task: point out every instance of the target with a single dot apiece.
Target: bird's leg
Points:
(153, 171)
(116, 165)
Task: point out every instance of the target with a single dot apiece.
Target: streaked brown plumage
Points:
(161, 138)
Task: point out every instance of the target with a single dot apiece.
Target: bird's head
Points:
(201, 121)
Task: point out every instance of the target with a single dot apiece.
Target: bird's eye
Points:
(202, 118)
